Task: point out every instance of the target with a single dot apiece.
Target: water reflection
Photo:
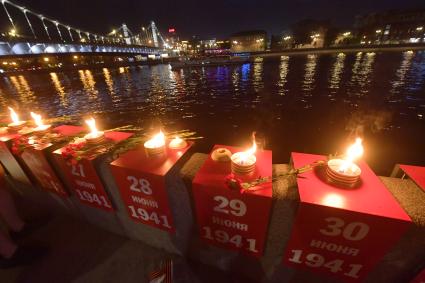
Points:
(336, 72)
(361, 74)
(235, 79)
(86, 78)
(310, 71)
(59, 89)
(282, 95)
(26, 95)
(258, 74)
(109, 82)
(417, 72)
(283, 72)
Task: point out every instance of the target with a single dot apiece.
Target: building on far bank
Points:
(344, 38)
(311, 34)
(219, 47)
(249, 41)
(391, 27)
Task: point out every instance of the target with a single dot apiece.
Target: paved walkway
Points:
(80, 252)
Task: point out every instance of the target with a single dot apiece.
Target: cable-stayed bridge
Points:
(31, 33)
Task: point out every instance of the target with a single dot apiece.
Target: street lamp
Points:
(46, 59)
(13, 33)
(419, 28)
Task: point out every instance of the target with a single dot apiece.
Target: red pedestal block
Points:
(37, 159)
(230, 219)
(420, 278)
(83, 178)
(13, 165)
(416, 173)
(141, 181)
(342, 232)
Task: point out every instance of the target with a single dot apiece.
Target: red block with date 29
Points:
(228, 218)
(141, 181)
(342, 232)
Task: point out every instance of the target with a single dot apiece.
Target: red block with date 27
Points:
(342, 232)
(83, 177)
(230, 219)
(141, 181)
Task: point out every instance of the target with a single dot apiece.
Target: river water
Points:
(306, 103)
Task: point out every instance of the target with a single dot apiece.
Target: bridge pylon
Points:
(154, 35)
(126, 33)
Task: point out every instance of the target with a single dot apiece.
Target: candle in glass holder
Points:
(39, 122)
(95, 136)
(16, 123)
(244, 162)
(345, 171)
(156, 145)
(177, 143)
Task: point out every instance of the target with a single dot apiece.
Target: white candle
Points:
(16, 123)
(39, 122)
(345, 171)
(244, 162)
(95, 135)
(177, 143)
(155, 145)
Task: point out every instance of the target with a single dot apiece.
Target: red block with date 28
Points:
(141, 181)
(342, 232)
(228, 218)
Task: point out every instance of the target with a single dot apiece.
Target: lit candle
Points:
(177, 143)
(39, 122)
(244, 162)
(345, 171)
(155, 145)
(16, 123)
(95, 135)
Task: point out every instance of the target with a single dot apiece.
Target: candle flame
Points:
(92, 125)
(157, 141)
(14, 116)
(246, 154)
(354, 152)
(37, 119)
(253, 149)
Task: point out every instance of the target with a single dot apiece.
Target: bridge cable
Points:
(8, 15)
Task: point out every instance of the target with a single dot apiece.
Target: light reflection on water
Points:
(336, 72)
(310, 70)
(302, 102)
(283, 72)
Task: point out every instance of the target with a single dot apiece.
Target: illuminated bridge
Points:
(31, 33)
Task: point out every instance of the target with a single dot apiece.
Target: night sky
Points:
(218, 18)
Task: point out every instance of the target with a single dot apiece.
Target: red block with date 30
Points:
(83, 177)
(228, 218)
(141, 181)
(37, 159)
(342, 232)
